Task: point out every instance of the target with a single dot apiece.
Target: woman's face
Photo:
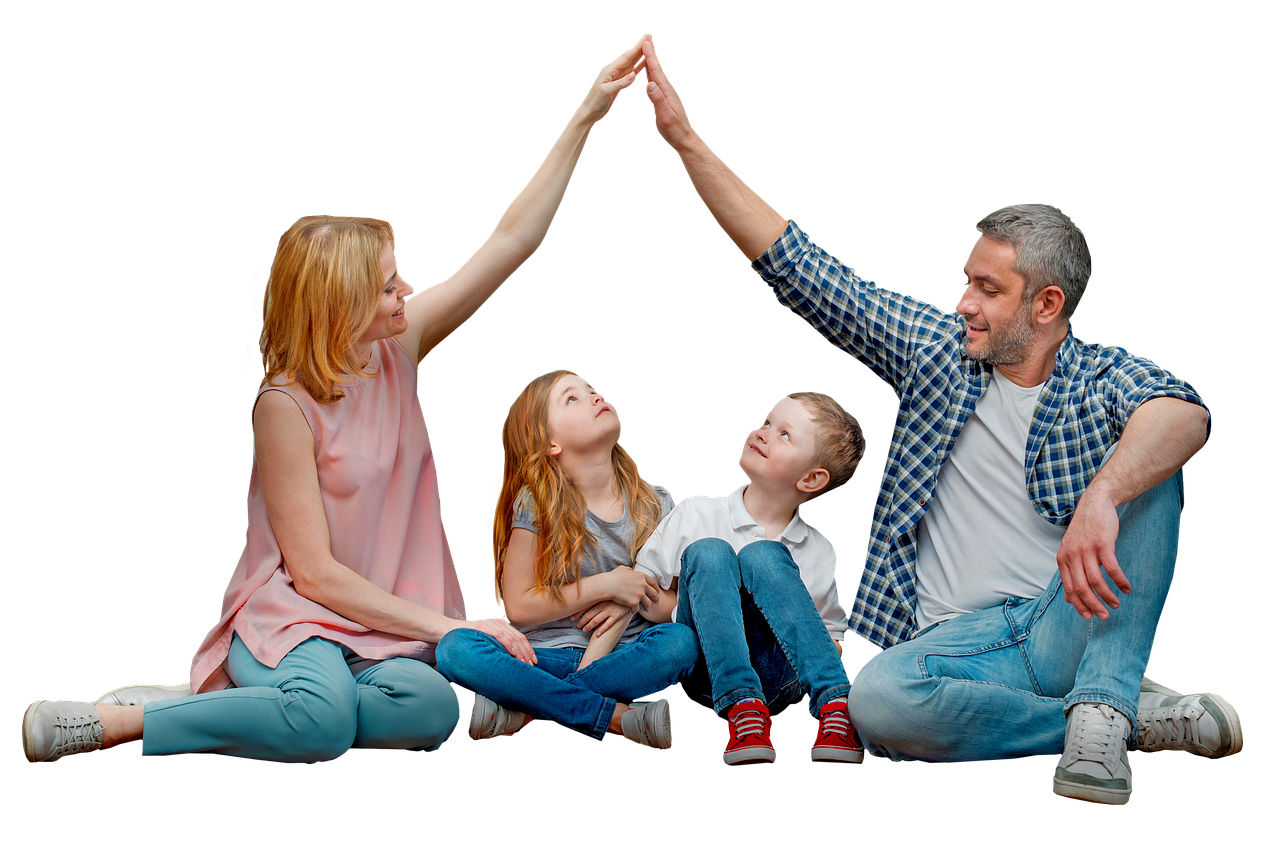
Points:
(389, 319)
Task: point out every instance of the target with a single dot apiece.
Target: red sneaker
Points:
(837, 739)
(748, 734)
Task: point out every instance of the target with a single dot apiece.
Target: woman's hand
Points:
(600, 616)
(613, 78)
(633, 589)
(504, 633)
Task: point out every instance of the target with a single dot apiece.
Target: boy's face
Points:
(780, 452)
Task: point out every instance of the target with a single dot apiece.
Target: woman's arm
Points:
(526, 606)
(441, 309)
(285, 453)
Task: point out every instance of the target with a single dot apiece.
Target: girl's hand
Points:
(633, 589)
(613, 78)
(504, 633)
(600, 616)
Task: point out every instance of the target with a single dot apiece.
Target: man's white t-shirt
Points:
(981, 542)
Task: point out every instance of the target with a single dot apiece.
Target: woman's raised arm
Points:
(439, 310)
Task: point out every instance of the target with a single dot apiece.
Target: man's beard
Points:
(1008, 345)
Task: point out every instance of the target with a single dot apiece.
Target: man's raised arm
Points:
(744, 216)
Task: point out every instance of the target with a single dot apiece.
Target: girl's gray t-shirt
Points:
(612, 549)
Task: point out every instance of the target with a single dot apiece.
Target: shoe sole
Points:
(1082, 792)
(28, 721)
(835, 754)
(660, 736)
(479, 720)
(749, 756)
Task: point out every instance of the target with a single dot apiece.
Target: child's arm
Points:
(603, 641)
(527, 606)
(661, 611)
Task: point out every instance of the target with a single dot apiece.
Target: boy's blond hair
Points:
(840, 445)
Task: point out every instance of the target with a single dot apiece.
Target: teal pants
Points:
(310, 708)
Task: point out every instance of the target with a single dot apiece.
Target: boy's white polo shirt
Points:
(727, 519)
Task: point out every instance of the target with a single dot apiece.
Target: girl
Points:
(330, 621)
(571, 516)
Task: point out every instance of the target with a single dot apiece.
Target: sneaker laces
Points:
(749, 721)
(1097, 735)
(1170, 726)
(77, 734)
(835, 721)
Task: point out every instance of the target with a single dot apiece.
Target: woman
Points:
(346, 584)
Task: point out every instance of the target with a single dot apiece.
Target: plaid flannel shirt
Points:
(919, 350)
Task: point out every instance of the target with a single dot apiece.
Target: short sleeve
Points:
(524, 513)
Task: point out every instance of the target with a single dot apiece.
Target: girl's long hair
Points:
(559, 507)
(322, 294)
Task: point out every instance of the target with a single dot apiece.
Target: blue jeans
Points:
(309, 708)
(555, 689)
(995, 684)
(760, 633)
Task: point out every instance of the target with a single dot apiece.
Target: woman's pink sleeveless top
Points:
(378, 486)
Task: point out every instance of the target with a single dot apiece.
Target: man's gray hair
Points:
(1050, 249)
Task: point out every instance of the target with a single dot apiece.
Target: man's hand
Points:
(668, 112)
(1090, 542)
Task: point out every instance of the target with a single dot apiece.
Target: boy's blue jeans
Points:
(994, 684)
(760, 633)
(555, 689)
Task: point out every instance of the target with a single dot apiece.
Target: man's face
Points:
(999, 327)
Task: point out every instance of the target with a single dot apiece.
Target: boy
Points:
(757, 584)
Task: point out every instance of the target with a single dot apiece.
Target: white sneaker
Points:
(1203, 724)
(489, 720)
(54, 729)
(140, 695)
(1094, 766)
(648, 724)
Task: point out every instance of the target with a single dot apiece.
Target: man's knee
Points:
(881, 705)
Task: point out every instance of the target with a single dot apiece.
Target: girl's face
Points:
(389, 320)
(578, 419)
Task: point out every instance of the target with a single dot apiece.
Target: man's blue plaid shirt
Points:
(919, 350)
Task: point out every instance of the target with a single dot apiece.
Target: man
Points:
(1032, 481)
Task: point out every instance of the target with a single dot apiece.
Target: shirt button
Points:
(757, 532)
(922, 502)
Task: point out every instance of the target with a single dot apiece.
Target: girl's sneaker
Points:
(837, 739)
(749, 734)
(488, 719)
(648, 724)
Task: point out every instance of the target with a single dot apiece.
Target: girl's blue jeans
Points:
(309, 708)
(995, 684)
(555, 689)
(760, 633)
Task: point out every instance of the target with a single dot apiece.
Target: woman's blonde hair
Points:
(559, 507)
(322, 295)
